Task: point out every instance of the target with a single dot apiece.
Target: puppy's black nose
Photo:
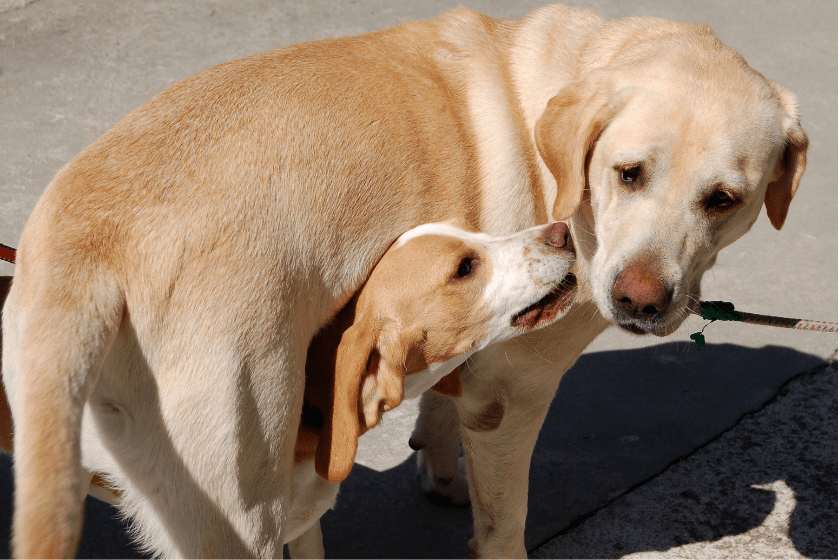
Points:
(558, 235)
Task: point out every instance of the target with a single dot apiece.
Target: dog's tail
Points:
(64, 325)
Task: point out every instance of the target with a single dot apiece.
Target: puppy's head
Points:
(439, 294)
(666, 150)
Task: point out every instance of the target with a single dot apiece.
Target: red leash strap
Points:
(7, 254)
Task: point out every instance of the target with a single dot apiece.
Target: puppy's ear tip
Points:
(332, 468)
(777, 221)
(338, 476)
(321, 469)
(415, 444)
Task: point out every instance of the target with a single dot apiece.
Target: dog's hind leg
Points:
(54, 352)
(437, 440)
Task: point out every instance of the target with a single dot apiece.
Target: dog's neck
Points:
(563, 34)
(546, 47)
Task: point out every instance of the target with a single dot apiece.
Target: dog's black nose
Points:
(558, 235)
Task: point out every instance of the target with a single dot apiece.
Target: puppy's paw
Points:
(443, 488)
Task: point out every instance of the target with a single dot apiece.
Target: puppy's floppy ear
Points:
(566, 133)
(382, 389)
(339, 439)
(369, 379)
(791, 163)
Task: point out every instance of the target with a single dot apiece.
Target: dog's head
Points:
(439, 294)
(665, 151)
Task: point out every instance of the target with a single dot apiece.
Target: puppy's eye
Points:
(630, 175)
(465, 267)
(719, 201)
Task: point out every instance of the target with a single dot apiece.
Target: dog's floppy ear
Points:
(339, 439)
(369, 379)
(791, 163)
(382, 388)
(566, 133)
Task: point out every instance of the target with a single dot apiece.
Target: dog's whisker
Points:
(531, 348)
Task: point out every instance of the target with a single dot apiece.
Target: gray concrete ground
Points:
(651, 448)
(759, 490)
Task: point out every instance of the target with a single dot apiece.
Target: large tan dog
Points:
(211, 233)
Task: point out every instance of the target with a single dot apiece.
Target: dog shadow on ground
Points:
(619, 418)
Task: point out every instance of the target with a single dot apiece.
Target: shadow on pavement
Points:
(619, 418)
(718, 501)
(104, 535)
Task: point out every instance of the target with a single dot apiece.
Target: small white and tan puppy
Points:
(438, 295)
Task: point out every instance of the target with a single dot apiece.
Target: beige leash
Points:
(725, 311)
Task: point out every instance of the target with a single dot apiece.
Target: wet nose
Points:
(640, 292)
(558, 236)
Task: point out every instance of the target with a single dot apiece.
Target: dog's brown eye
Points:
(464, 268)
(630, 175)
(719, 200)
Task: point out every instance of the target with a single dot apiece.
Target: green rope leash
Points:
(725, 311)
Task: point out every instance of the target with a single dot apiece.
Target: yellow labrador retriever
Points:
(663, 144)
(186, 259)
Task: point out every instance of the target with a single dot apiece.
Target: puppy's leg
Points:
(437, 440)
(309, 545)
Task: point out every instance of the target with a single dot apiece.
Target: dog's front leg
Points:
(499, 435)
(507, 391)
(308, 545)
(498, 419)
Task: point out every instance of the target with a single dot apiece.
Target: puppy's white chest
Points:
(418, 383)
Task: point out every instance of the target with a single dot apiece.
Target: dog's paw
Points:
(472, 548)
(443, 488)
